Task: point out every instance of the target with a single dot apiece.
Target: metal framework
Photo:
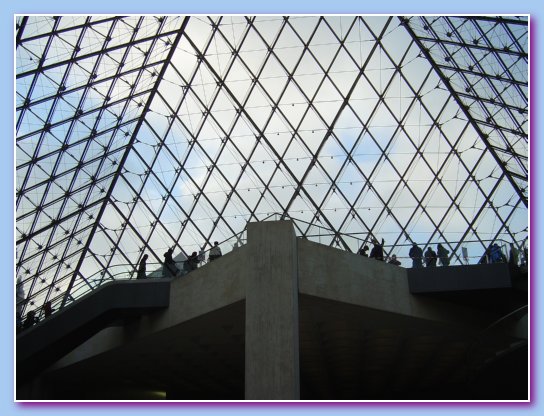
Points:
(134, 134)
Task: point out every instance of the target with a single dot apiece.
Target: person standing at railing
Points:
(192, 261)
(215, 252)
(364, 251)
(514, 255)
(20, 299)
(47, 309)
(443, 255)
(496, 254)
(430, 257)
(394, 260)
(416, 254)
(201, 257)
(377, 250)
(170, 269)
(30, 319)
(142, 268)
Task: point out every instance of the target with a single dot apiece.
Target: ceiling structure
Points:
(139, 133)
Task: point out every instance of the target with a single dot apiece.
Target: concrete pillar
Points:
(271, 347)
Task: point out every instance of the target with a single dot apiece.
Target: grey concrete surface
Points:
(329, 273)
(458, 278)
(283, 318)
(217, 285)
(53, 337)
(272, 360)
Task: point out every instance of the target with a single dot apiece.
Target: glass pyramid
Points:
(136, 134)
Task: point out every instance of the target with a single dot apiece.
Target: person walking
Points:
(170, 268)
(142, 268)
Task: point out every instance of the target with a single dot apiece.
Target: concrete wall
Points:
(47, 341)
(272, 356)
(459, 278)
(333, 274)
(212, 287)
(271, 274)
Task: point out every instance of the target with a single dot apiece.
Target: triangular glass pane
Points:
(304, 26)
(320, 45)
(289, 48)
(253, 53)
(268, 27)
(273, 78)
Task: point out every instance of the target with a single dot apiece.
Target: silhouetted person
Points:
(430, 257)
(47, 309)
(169, 264)
(192, 261)
(201, 257)
(496, 254)
(20, 301)
(514, 255)
(30, 320)
(142, 267)
(168, 256)
(442, 254)
(377, 250)
(513, 260)
(364, 251)
(215, 251)
(394, 260)
(416, 254)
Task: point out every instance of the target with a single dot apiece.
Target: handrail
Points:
(361, 241)
(516, 314)
(353, 235)
(319, 232)
(129, 270)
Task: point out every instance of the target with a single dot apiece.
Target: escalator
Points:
(41, 345)
(498, 361)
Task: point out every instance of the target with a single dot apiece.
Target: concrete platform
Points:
(288, 319)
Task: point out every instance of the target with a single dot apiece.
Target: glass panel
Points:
(139, 134)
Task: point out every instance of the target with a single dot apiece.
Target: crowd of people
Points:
(170, 270)
(377, 253)
(429, 258)
(170, 267)
(31, 317)
(440, 257)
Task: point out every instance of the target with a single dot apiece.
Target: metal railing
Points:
(86, 285)
(350, 242)
(498, 338)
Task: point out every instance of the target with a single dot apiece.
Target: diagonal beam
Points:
(173, 47)
(464, 109)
